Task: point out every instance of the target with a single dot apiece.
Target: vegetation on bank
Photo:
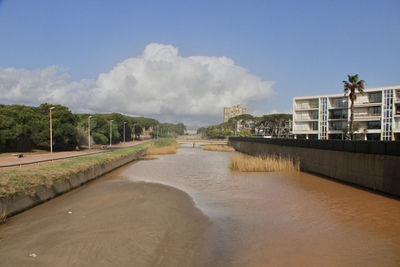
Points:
(246, 163)
(163, 146)
(28, 179)
(219, 148)
(23, 128)
(166, 130)
(3, 217)
(274, 125)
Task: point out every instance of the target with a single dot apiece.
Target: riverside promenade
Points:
(11, 160)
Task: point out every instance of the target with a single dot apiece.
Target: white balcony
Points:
(366, 117)
(367, 104)
(306, 107)
(305, 118)
(396, 125)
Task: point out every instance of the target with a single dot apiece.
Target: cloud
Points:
(159, 83)
(34, 87)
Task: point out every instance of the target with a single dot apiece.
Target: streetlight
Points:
(124, 130)
(51, 131)
(89, 131)
(134, 133)
(111, 132)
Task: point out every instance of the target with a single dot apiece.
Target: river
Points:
(237, 219)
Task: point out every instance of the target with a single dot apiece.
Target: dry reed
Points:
(245, 163)
(3, 217)
(155, 150)
(220, 148)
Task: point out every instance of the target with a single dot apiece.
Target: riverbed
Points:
(189, 209)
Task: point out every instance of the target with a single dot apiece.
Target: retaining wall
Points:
(17, 203)
(379, 171)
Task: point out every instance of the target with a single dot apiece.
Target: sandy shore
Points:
(111, 223)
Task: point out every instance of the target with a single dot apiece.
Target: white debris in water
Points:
(69, 212)
(33, 255)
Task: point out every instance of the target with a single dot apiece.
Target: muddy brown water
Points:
(189, 209)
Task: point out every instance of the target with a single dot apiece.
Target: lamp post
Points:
(124, 130)
(134, 136)
(111, 132)
(51, 131)
(89, 131)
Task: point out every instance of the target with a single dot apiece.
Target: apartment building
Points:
(376, 115)
(230, 112)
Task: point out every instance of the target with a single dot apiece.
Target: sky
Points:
(183, 61)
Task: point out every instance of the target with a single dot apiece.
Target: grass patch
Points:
(246, 163)
(28, 179)
(220, 148)
(163, 146)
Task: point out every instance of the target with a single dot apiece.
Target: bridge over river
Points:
(199, 141)
(189, 209)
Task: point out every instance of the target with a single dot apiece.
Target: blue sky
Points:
(303, 47)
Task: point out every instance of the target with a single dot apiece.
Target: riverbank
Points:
(22, 188)
(108, 223)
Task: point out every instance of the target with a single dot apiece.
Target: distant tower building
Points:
(230, 112)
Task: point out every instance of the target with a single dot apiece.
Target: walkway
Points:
(11, 160)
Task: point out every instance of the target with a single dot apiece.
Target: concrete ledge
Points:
(373, 171)
(17, 203)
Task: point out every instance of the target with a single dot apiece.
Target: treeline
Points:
(273, 125)
(168, 129)
(23, 128)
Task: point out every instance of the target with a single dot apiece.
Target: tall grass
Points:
(3, 217)
(220, 148)
(163, 146)
(246, 163)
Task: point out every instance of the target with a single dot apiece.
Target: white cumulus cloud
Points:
(159, 83)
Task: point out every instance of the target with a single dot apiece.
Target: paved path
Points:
(34, 158)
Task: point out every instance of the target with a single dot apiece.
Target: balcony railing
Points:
(307, 106)
(366, 114)
(335, 128)
(339, 105)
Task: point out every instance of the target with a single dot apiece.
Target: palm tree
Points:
(350, 88)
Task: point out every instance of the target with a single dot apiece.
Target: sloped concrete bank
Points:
(378, 172)
(14, 204)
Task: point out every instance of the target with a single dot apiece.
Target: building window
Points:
(375, 98)
(338, 114)
(374, 124)
(374, 111)
(337, 125)
(314, 126)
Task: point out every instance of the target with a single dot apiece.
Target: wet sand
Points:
(109, 223)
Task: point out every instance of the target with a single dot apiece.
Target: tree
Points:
(350, 88)
(275, 125)
(244, 133)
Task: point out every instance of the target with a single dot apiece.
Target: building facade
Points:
(230, 112)
(376, 115)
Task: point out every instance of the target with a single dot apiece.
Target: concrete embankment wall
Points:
(379, 170)
(17, 203)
